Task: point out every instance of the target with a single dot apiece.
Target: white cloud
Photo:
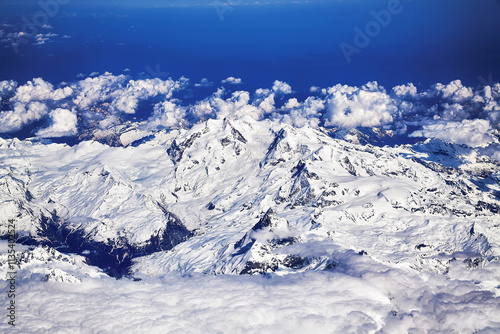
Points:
(61, 93)
(491, 103)
(125, 103)
(99, 89)
(453, 112)
(292, 103)
(307, 113)
(94, 97)
(36, 90)
(7, 87)
(40, 39)
(127, 99)
(236, 106)
(21, 115)
(204, 83)
(267, 103)
(454, 91)
(202, 109)
(167, 114)
(39, 90)
(405, 90)
(312, 106)
(452, 102)
(350, 107)
(232, 81)
(100, 97)
(280, 87)
(151, 87)
(63, 123)
(123, 94)
(297, 119)
(475, 133)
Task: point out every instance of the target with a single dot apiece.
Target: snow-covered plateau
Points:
(246, 226)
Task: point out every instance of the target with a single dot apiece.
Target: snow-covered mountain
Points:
(289, 230)
(249, 197)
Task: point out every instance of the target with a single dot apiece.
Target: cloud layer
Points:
(361, 296)
(474, 133)
(450, 112)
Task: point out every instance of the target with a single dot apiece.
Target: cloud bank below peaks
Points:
(475, 133)
(450, 112)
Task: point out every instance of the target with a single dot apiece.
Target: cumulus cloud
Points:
(405, 90)
(95, 98)
(454, 91)
(307, 113)
(236, 106)
(167, 114)
(264, 99)
(292, 103)
(122, 94)
(280, 87)
(239, 104)
(350, 107)
(453, 112)
(6, 88)
(475, 133)
(29, 103)
(21, 115)
(490, 99)
(98, 89)
(232, 81)
(127, 99)
(451, 102)
(36, 90)
(267, 103)
(63, 123)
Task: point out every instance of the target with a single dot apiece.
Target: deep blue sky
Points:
(429, 41)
